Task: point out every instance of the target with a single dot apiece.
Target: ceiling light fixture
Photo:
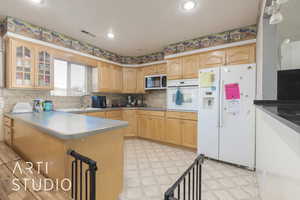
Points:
(110, 35)
(37, 1)
(189, 5)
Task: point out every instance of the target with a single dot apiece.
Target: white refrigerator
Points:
(226, 121)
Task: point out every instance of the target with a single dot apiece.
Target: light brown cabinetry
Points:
(8, 130)
(143, 126)
(240, 55)
(174, 69)
(28, 65)
(183, 67)
(131, 118)
(117, 79)
(140, 80)
(212, 59)
(173, 131)
(181, 129)
(114, 114)
(129, 80)
(151, 124)
(190, 67)
(96, 114)
(155, 69)
(189, 133)
(44, 68)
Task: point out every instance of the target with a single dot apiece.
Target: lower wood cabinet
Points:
(96, 114)
(130, 117)
(173, 131)
(181, 129)
(157, 128)
(114, 114)
(143, 126)
(151, 125)
(8, 130)
(189, 133)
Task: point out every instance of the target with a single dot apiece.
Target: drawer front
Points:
(114, 114)
(7, 122)
(96, 114)
(189, 116)
(172, 114)
(182, 115)
(151, 113)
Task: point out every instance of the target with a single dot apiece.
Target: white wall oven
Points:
(189, 90)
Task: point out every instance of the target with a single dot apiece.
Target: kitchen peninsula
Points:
(47, 136)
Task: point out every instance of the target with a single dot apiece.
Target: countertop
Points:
(66, 126)
(86, 110)
(287, 112)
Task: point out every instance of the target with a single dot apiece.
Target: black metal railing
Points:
(90, 177)
(188, 186)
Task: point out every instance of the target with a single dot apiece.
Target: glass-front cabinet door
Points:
(22, 65)
(44, 69)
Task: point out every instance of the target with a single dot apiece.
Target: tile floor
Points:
(151, 168)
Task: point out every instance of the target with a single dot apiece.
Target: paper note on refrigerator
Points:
(233, 106)
(232, 91)
(206, 79)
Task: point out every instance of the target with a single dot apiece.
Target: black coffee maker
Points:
(99, 101)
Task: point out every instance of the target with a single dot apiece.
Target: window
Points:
(70, 79)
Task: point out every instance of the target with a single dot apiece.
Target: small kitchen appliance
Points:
(156, 82)
(99, 102)
(37, 105)
(48, 105)
(288, 85)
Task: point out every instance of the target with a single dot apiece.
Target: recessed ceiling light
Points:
(189, 5)
(37, 1)
(110, 35)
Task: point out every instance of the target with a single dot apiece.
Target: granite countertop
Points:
(287, 112)
(86, 110)
(66, 126)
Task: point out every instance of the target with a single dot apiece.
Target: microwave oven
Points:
(155, 82)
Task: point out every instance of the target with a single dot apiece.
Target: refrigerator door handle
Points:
(221, 104)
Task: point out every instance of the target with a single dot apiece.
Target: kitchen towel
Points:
(179, 97)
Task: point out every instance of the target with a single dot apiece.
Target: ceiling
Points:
(140, 26)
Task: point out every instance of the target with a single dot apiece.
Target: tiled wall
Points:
(157, 98)
(24, 28)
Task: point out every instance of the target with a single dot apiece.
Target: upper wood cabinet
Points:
(212, 59)
(129, 80)
(190, 66)
(44, 68)
(117, 79)
(20, 68)
(155, 69)
(140, 80)
(161, 68)
(105, 77)
(240, 55)
(174, 68)
(28, 65)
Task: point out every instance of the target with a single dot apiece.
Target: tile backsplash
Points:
(156, 98)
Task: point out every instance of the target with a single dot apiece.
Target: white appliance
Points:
(189, 90)
(226, 125)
